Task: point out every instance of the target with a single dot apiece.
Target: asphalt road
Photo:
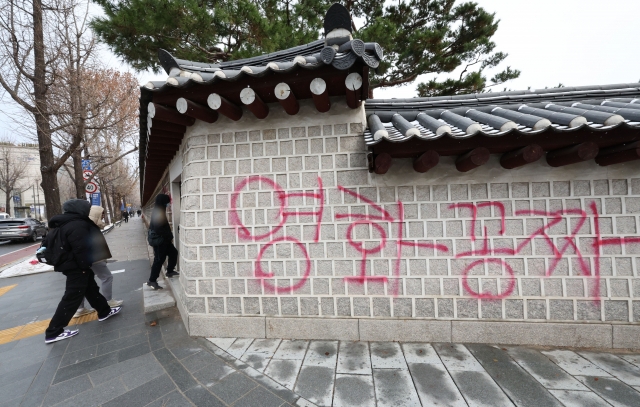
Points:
(8, 247)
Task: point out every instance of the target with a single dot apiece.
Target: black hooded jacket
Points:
(159, 229)
(83, 239)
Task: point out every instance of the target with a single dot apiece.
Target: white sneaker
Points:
(115, 303)
(66, 334)
(113, 312)
(83, 311)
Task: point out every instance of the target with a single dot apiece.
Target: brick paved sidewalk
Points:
(124, 361)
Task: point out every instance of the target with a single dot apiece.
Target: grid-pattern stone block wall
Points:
(287, 221)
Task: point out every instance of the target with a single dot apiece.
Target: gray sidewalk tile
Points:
(110, 372)
(143, 394)
(199, 360)
(67, 389)
(354, 358)
(457, 358)
(36, 393)
(544, 370)
(633, 359)
(394, 388)
(574, 364)
(201, 397)
(71, 358)
(571, 398)
(222, 343)
(284, 372)
(113, 371)
(521, 388)
(87, 366)
(133, 351)
(612, 390)
(354, 391)
(420, 353)
(258, 361)
(28, 372)
(13, 390)
(435, 386)
(233, 387)
(615, 366)
(97, 396)
(291, 349)
(259, 397)
(315, 383)
(387, 355)
(173, 399)
(213, 373)
(142, 375)
(322, 353)
(479, 389)
(265, 346)
(175, 370)
(239, 347)
(122, 343)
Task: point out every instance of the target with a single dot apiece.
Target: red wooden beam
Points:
(159, 112)
(287, 99)
(573, 154)
(619, 154)
(473, 159)
(253, 102)
(320, 95)
(155, 124)
(426, 161)
(196, 110)
(222, 105)
(353, 83)
(522, 156)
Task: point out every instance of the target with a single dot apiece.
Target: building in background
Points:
(308, 211)
(27, 196)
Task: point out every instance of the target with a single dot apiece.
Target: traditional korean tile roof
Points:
(503, 114)
(340, 52)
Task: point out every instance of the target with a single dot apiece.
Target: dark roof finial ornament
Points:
(337, 17)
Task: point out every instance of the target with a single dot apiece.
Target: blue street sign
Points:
(16, 200)
(96, 199)
(86, 164)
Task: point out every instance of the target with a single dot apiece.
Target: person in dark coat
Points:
(160, 238)
(125, 215)
(83, 244)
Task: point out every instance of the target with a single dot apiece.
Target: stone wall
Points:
(281, 218)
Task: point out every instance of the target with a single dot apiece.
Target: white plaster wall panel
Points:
(293, 151)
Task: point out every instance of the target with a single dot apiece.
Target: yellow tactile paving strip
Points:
(38, 328)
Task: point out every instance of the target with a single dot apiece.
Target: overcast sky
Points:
(573, 42)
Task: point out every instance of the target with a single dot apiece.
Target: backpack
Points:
(154, 238)
(54, 252)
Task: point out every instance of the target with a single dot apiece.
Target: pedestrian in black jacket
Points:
(83, 244)
(160, 238)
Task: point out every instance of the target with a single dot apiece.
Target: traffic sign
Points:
(86, 174)
(91, 188)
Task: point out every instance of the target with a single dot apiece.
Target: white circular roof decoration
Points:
(181, 105)
(353, 81)
(248, 96)
(318, 86)
(282, 91)
(214, 101)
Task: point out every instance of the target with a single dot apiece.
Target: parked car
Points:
(4, 215)
(26, 229)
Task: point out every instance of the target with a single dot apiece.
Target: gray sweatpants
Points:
(106, 278)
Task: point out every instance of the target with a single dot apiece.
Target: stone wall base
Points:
(581, 335)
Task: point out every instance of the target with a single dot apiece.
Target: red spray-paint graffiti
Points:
(382, 225)
(380, 217)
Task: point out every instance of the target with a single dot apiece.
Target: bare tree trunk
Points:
(77, 174)
(49, 177)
